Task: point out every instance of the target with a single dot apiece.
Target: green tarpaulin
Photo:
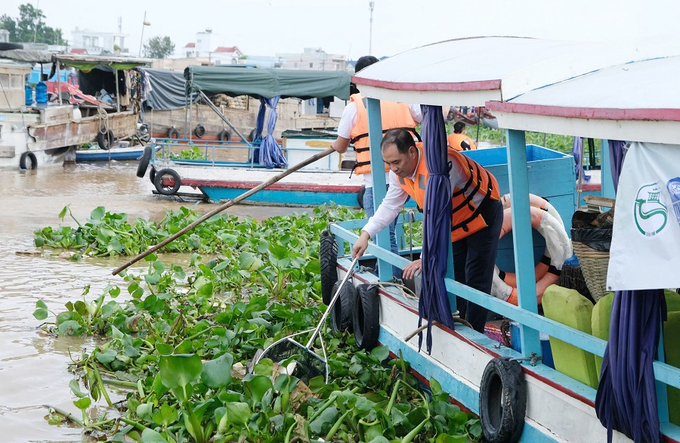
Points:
(267, 83)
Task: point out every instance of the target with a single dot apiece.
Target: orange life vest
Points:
(393, 115)
(465, 218)
(455, 141)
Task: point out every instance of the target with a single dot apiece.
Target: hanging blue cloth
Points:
(626, 395)
(434, 301)
(576, 151)
(269, 154)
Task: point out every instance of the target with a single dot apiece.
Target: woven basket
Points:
(594, 266)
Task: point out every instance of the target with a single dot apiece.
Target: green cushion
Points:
(671, 332)
(570, 308)
(602, 312)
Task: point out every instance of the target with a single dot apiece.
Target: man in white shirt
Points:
(476, 220)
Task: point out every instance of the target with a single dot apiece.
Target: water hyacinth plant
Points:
(175, 342)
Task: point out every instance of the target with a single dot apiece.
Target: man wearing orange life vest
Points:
(459, 140)
(353, 128)
(476, 221)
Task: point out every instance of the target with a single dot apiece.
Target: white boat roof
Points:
(637, 101)
(574, 88)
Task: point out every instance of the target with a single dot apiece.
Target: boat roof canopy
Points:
(84, 63)
(266, 83)
(620, 90)
(637, 101)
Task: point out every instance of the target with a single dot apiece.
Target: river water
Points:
(34, 366)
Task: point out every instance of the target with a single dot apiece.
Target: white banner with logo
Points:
(645, 249)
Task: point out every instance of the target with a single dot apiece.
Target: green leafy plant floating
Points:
(174, 345)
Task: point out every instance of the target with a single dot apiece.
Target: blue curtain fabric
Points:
(576, 151)
(626, 396)
(269, 153)
(434, 301)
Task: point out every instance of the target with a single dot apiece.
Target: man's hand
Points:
(360, 245)
(412, 269)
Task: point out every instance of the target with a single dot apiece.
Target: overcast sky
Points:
(266, 27)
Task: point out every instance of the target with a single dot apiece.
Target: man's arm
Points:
(388, 210)
(347, 122)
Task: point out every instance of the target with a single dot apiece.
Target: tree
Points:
(159, 47)
(30, 27)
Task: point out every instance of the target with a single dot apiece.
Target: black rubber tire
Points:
(144, 162)
(152, 174)
(502, 401)
(199, 131)
(173, 133)
(224, 136)
(105, 139)
(328, 258)
(9, 46)
(366, 316)
(360, 196)
(341, 314)
(28, 155)
(167, 189)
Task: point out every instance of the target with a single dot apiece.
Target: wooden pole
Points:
(226, 205)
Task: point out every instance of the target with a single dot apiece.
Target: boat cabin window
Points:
(16, 82)
(4, 80)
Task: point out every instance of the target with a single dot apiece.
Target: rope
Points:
(103, 119)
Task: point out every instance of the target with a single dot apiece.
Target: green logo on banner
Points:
(651, 212)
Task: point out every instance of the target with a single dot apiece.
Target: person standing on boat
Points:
(459, 140)
(476, 219)
(353, 128)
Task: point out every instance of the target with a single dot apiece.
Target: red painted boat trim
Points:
(656, 114)
(482, 85)
(338, 189)
(591, 187)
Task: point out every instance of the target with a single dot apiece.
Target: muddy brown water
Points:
(34, 366)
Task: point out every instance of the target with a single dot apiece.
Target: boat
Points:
(567, 88)
(41, 133)
(236, 164)
(96, 154)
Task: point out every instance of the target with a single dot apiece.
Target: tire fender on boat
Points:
(30, 156)
(547, 271)
(224, 135)
(169, 188)
(328, 258)
(199, 131)
(105, 139)
(341, 315)
(173, 132)
(366, 316)
(144, 161)
(502, 401)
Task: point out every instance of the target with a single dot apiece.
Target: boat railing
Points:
(223, 154)
(531, 323)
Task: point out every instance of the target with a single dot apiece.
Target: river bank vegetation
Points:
(174, 341)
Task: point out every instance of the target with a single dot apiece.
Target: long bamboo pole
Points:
(226, 205)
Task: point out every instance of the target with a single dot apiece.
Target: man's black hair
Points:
(458, 127)
(366, 60)
(400, 137)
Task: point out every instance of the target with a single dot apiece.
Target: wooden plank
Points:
(7, 151)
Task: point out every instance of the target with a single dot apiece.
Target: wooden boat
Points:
(231, 167)
(554, 87)
(95, 154)
(42, 133)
